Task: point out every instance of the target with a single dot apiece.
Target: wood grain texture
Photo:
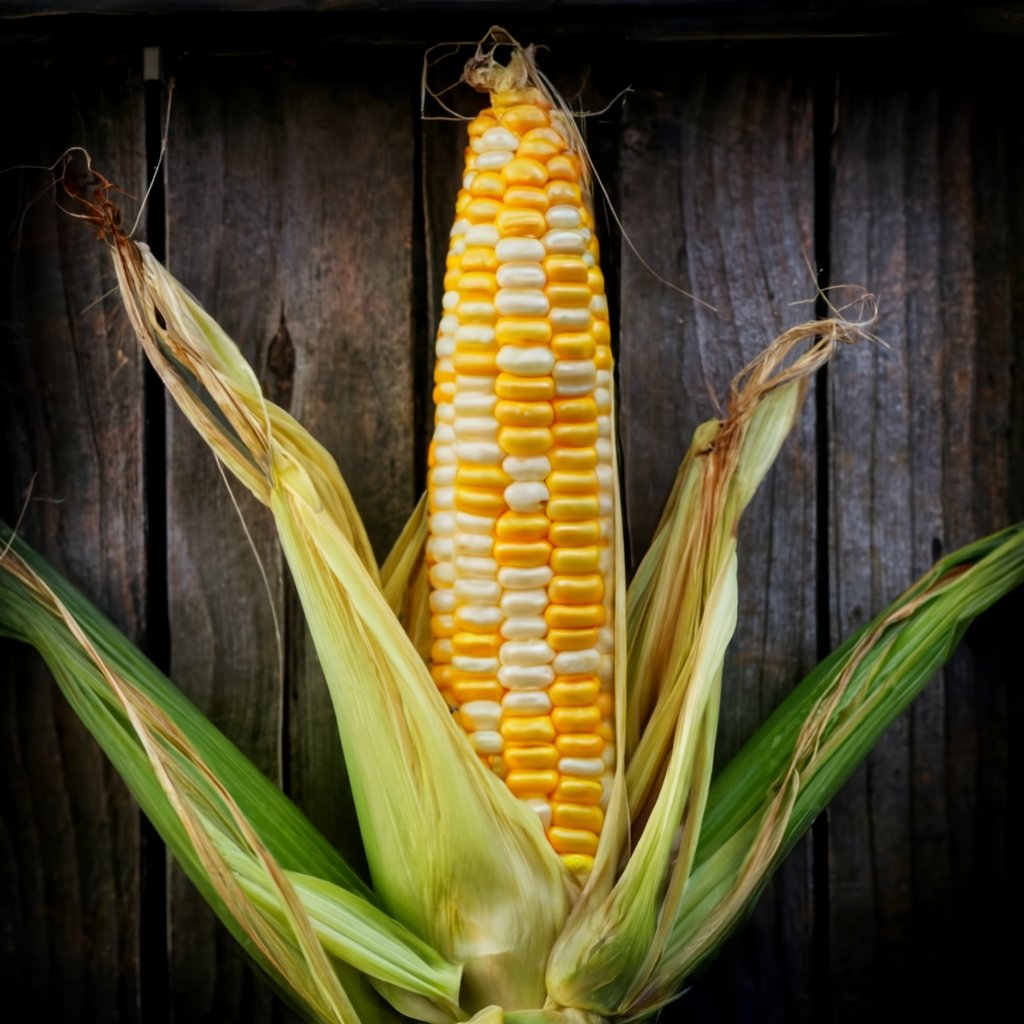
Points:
(717, 192)
(927, 197)
(73, 422)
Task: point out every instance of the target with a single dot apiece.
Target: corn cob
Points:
(520, 481)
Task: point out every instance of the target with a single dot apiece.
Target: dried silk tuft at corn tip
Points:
(521, 480)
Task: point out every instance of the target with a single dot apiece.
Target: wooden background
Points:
(307, 205)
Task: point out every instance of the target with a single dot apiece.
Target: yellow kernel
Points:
(480, 501)
(585, 816)
(526, 389)
(469, 626)
(595, 280)
(478, 281)
(575, 410)
(540, 149)
(572, 482)
(526, 197)
(571, 639)
(522, 117)
(448, 696)
(476, 312)
(524, 414)
(537, 729)
(564, 193)
(480, 124)
(441, 626)
(572, 840)
(569, 294)
(441, 674)
(524, 782)
(566, 269)
(517, 223)
(488, 184)
(575, 719)
(579, 506)
(482, 476)
(524, 171)
(532, 758)
(525, 440)
(469, 689)
(602, 332)
(482, 211)
(579, 691)
(565, 166)
(575, 561)
(440, 652)
(573, 460)
(577, 534)
(573, 346)
(603, 355)
(522, 554)
(606, 731)
(575, 616)
(462, 200)
(575, 435)
(548, 134)
(580, 864)
(580, 744)
(579, 791)
(576, 589)
(477, 645)
(605, 704)
(522, 526)
(475, 363)
(522, 332)
(479, 258)
(452, 278)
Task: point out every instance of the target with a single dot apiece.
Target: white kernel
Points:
(570, 241)
(476, 428)
(606, 791)
(474, 403)
(484, 616)
(599, 307)
(526, 495)
(605, 505)
(449, 324)
(526, 360)
(483, 236)
(570, 318)
(526, 652)
(603, 447)
(604, 562)
(573, 376)
(440, 549)
(588, 259)
(476, 309)
(608, 756)
(442, 601)
(542, 809)
(460, 227)
(493, 159)
(468, 178)
(442, 574)
(479, 591)
(584, 767)
(586, 235)
(521, 302)
(607, 530)
(525, 579)
(521, 275)
(498, 139)
(445, 347)
(568, 663)
(606, 639)
(604, 426)
(481, 714)
(472, 523)
(445, 412)
(443, 476)
(535, 702)
(480, 453)
(471, 565)
(444, 454)
(474, 334)
(443, 433)
(562, 216)
(473, 544)
(527, 467)
(479, 666)
(478, 385)
(606, 671)
(604, 378)
(442, 524)
(524, 602)
(524, 628)
(526, 677)
(450, 300)
(487, 741)
(443, 498)
(519, 250)
(458, 247)
(602, 398)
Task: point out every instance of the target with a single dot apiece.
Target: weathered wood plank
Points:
(927, 190)
(72, 418)
(716, 189)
